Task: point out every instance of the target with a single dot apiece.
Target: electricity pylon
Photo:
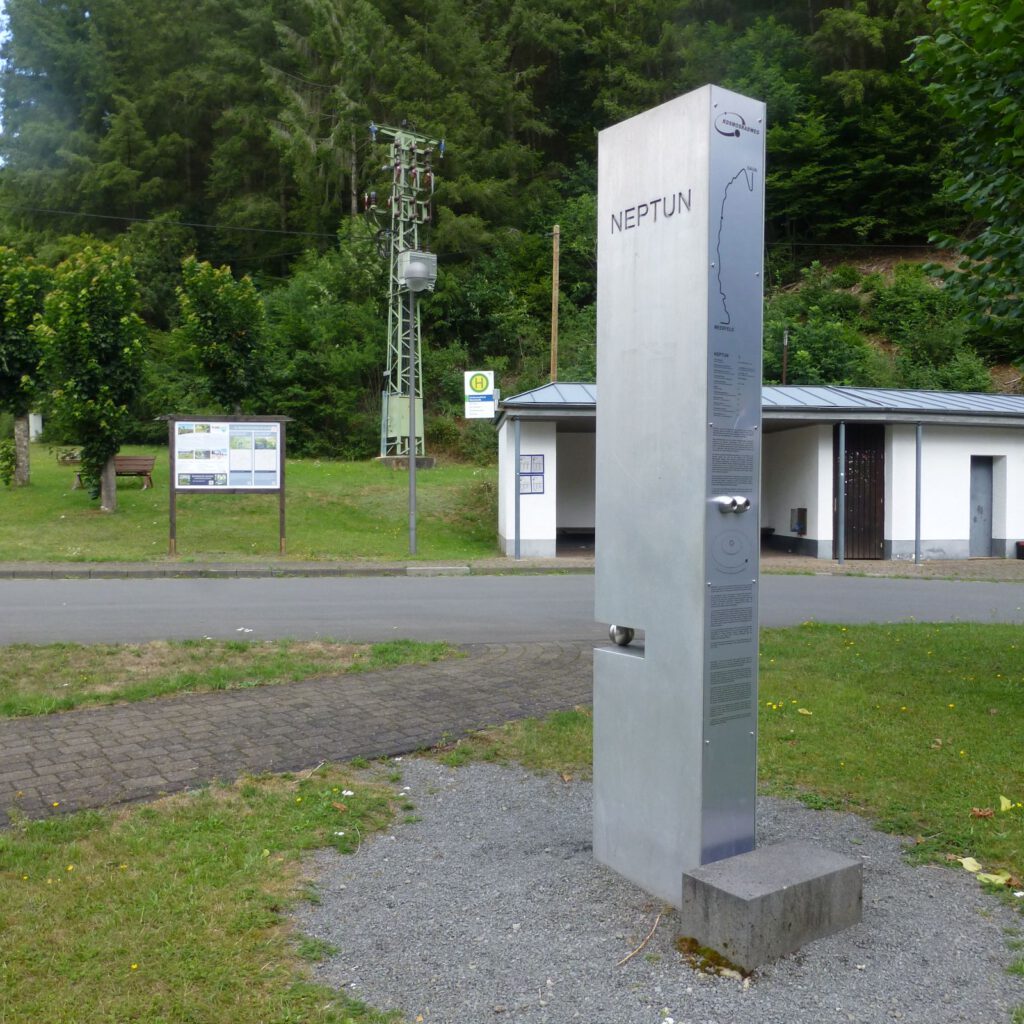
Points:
(410, 206)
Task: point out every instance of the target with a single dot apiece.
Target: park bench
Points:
(129, 465)
(136, 465)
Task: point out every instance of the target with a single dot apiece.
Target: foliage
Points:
(221, 328)
(23, 285)
(325, 350)
(92, 344)
(871, 332)
(973, 68)
(237, 132)
(7, 462)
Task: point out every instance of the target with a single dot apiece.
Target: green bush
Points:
(7, 462)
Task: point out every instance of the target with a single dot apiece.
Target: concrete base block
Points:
(402, 461)
(761, 905)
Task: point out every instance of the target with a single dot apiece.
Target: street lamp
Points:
(417, 272)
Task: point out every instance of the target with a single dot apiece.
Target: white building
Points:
(927, 474)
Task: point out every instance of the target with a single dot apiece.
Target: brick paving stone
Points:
(101, 756)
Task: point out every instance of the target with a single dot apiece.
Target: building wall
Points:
(536, 510)
(796, 472)
(576, 468)
(946, 489)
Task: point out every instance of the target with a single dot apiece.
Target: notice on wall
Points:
(219, 455)
(531, 474)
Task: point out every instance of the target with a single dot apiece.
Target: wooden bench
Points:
(129, 465)
(136, 465)
(69, 456)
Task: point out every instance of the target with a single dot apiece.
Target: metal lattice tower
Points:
(410, 206)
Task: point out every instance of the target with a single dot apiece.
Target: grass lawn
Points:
(175, 911)
(918, 727)
(38, 679)
(335, 510)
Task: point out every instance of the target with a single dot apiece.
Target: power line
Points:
(169, 223)
(469, 251)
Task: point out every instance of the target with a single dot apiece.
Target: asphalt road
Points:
(461, 609)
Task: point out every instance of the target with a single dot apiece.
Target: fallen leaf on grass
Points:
(804, 711)
(339, 807)
(996, 878)
(1004, 804)
(969, 864)
(982, 812)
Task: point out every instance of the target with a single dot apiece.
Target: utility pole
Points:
(555, 236)
(409, 206)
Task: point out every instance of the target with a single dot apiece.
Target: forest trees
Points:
(91, 341)
(236, 131)
(974, 68)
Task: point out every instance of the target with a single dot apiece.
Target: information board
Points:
(226, 455)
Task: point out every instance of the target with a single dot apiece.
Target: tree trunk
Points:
(353, 181)
(21, 435)
(108, 487)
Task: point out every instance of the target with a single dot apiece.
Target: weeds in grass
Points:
(60, 677)
(915, 725)
(176, 911)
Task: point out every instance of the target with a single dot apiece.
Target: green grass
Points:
(881, 738)
(335, 510)
(914, 725)
(175, 912)
(38, 679)
(562, 742)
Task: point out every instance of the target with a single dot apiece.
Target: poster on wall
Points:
(531, 474)
(224, 455)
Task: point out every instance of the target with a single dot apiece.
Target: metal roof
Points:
(556, 394)
(793, 404)
(836, 399)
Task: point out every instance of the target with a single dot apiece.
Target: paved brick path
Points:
(110, 755)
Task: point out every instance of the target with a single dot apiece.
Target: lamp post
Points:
(418, 272)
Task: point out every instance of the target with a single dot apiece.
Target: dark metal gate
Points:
(865, 491)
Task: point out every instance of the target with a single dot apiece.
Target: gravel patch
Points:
(491, 908)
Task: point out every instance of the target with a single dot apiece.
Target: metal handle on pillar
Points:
(732, 503)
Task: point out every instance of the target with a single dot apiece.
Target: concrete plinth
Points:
(402, 461)
(761, 905)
